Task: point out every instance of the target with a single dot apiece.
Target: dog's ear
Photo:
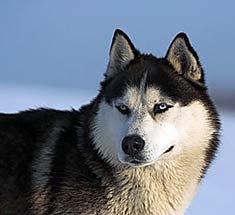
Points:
(122, 51)
(184, 59)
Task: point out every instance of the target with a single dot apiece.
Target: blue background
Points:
(54, 53)
(55, 42)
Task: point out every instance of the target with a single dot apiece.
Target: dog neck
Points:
(165, 188)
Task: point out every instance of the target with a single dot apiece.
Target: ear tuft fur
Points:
(122, 51)
(184, 59)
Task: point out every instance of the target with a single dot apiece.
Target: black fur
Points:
(23, 134)
(160, 73)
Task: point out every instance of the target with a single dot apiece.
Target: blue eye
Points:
(161, 107)
(123, 109)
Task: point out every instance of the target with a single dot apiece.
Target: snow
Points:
(217, 191)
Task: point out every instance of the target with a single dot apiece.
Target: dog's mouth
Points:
(168, 150)
(136, 162)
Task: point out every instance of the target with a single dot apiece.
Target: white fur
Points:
(105, 126)
(184, 127)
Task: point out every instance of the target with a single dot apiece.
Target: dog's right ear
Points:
(122, 52)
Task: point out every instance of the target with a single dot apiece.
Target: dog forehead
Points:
(158, 75)
(135, 96)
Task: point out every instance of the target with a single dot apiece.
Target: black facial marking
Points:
(160, 74)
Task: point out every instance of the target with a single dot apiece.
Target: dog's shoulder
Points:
(23, 133)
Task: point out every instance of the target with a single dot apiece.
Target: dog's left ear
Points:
(184, 59)
(122, 52)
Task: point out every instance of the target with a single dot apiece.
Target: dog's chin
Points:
(136, 163)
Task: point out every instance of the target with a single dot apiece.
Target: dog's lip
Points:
(168, 149)
(135, 161)
(138, 163)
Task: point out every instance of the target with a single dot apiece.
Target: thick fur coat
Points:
(71, 162)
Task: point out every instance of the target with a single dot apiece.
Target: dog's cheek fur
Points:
(159, 137)
(195, 126)
(107, 131)
(185, 127)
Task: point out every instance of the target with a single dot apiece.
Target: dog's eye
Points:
(161, 107)
(123, 109)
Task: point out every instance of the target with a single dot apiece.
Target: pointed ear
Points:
(122, 51)
(184, 59)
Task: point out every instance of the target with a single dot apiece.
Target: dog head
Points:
(152, 109)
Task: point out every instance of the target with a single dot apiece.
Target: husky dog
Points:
(141, 147)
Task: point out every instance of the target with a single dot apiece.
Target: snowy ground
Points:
(217, 191)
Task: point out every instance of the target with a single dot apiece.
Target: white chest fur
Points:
(163, 189)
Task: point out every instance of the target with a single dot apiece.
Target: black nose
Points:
(132, 145)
